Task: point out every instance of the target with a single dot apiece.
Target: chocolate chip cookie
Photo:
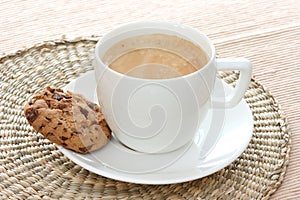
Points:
(68, 119)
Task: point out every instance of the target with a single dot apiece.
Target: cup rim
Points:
(154, 23)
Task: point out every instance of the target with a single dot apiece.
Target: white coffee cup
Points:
(162, 115)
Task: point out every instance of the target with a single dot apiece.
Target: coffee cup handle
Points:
(245, 67)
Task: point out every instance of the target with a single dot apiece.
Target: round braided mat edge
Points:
(31, 167)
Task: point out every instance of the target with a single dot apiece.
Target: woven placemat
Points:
(31, 167)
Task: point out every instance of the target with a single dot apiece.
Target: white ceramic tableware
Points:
(163, 115)
(192, 161)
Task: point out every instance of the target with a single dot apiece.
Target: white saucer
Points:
(188, 163)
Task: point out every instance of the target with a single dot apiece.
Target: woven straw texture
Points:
(31, 167)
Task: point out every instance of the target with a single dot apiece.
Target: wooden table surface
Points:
(266, 32)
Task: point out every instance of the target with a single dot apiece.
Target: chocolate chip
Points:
(77, 132)
(64, 129)
(67, 97)
(48, 103)
(31, 115)
(41, 127)
(63, 138)
(59, 123)
(84, 112)
(91, 105)
(85, 149)
(64, 144)
(48, 119)
(57, 97)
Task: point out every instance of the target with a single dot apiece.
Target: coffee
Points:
(155, 56)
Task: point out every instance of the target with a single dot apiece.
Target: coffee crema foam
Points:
(155, 56)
